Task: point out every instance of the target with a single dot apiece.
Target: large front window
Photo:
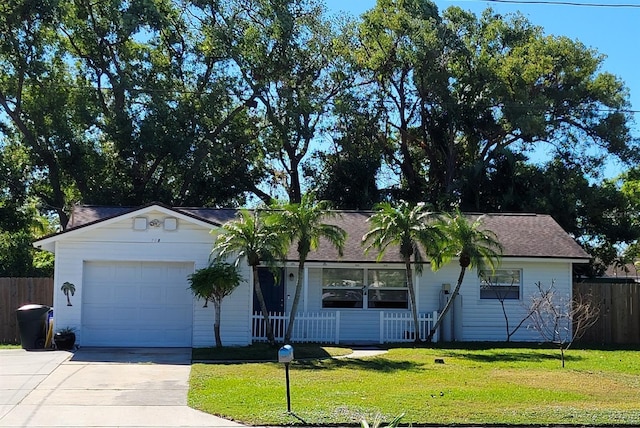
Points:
(364, 288)
(501, 284)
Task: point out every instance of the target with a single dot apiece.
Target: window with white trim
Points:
(342, 288)
(364, 288)
(501, 284)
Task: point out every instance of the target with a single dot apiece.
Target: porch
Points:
(345, 327)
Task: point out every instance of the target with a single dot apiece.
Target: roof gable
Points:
(87, 218)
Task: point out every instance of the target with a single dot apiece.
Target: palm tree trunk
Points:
(217, 304)
(412, 298)
(296, 302)
(263, 306)
(448, 305)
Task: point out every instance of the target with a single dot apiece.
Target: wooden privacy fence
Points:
(16, 292)
(619, 319)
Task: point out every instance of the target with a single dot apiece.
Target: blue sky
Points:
(612, 31)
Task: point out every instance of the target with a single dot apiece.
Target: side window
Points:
(501, 284)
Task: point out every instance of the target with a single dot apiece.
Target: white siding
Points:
(119, 242)
(481, 319)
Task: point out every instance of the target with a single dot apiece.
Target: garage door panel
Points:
(97, 293)
(148, 305)
(100, 272)
(152, 294)
(127, 272)
(126, 293)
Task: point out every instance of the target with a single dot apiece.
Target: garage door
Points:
(144, 304)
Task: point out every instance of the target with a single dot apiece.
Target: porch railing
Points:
(309, 327)
(399, 326)
(324, 327)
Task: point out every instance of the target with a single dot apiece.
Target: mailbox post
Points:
(285, 355)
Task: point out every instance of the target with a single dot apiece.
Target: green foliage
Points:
(468, 241)
(473, 246)
(304, 223)
(212, 103)
(215, 282)
(249, 237)
(377, 422)
(409, 227)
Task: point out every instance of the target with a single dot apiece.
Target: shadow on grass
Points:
(259, 352)
(377, 364)
(490, 352)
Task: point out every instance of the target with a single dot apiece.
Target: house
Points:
(130, 267)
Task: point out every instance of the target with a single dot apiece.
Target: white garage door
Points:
(143, 304)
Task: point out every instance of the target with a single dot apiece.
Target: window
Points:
(501, 284)
(347, 288)
(387, 288)
(342, 288)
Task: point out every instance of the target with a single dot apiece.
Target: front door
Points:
(272, 290)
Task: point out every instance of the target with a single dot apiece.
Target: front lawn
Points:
(484, 385)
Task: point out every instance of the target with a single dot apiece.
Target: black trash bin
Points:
(32, 322)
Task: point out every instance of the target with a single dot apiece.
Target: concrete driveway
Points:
(99, 387)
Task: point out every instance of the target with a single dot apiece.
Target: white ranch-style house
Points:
(130, 268)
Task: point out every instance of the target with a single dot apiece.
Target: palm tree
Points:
(410, 228)
(215, 282)
(68, 288)
(249, 237)
(303, 223)
(473, 245)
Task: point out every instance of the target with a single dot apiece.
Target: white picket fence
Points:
(324, 327)
(398, 327)
(310, 327)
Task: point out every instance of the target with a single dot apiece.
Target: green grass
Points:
(479, 385)
(9, 346)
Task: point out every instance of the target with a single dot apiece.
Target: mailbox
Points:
(285, 354)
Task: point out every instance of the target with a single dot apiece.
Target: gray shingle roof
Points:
(521, 235)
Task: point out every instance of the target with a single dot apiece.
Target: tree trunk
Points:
(448, 305)
(412, 298)
(217, 304)
(263, 306)
(296, 302)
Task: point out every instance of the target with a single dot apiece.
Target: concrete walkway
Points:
(99, 388)
(364, 353)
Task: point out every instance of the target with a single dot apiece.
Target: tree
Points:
(472, 245)
(124, 102)
(215, 282)
(249, 237)
(347, 174)
(410, 228)
(304, 224)
(561, 320)
(392, 40)
(285, 52)
(459, 89)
